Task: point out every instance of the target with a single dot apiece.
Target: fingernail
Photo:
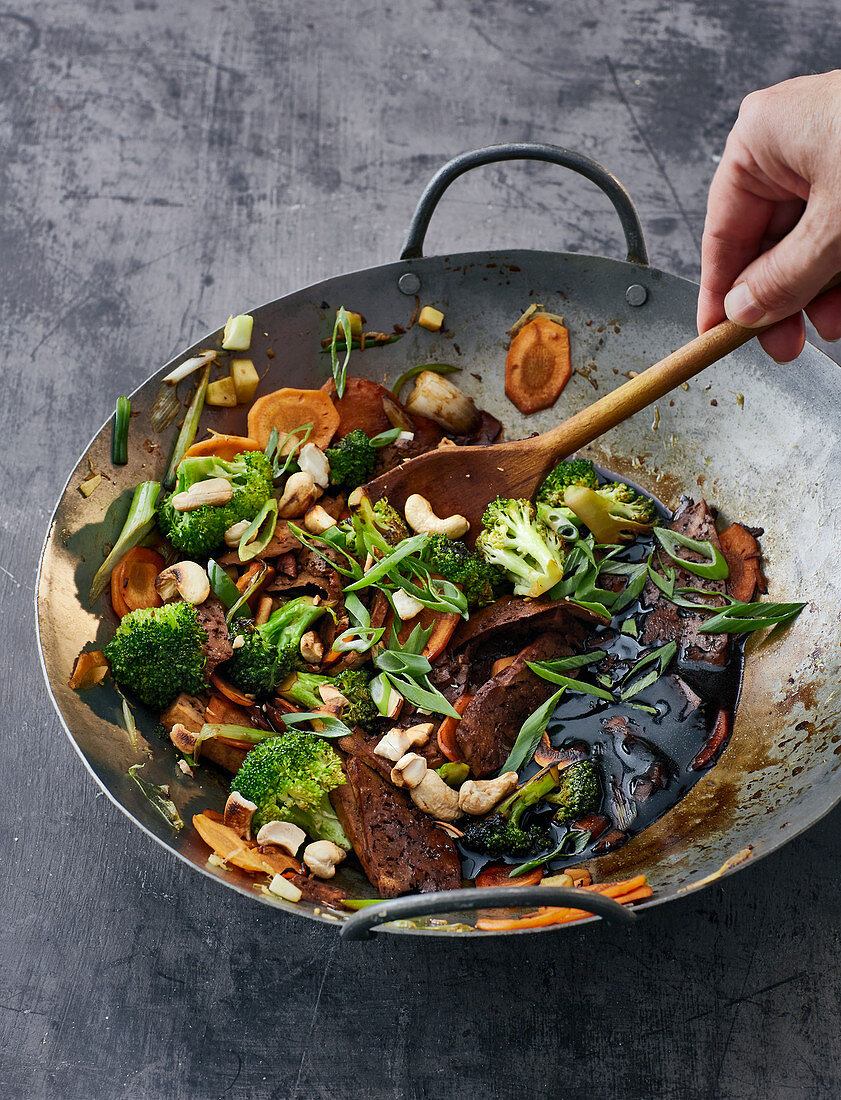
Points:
(741, 306)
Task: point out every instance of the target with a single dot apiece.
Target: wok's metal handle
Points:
(359, 926)
(554, 154)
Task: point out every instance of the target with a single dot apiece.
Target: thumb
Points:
(783, 280)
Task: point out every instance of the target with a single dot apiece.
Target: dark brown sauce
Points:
(644, 760)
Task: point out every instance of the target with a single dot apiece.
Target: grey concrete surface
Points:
(162, 163)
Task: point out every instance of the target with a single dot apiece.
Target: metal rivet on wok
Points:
(408, 283)
(636, 295)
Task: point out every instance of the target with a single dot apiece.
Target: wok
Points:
(772, 459)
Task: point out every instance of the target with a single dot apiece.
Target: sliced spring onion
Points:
(538, 667)
(422, 695)
(384, 566)
(715, 567)
(138, 524)
(243, 735)
(236, 336)
(530, 733)
(188, 366)
(353, 569)
(662, 656)
(250, 589)
(258, 534)
(344, 322)
(119, 436)
(575, 841)
(412, 372)
(188, 429)
(384, 439)
(578, 660)
(128, 719)
(222, 584)
(384, 694)
(358, 639)
(743, 618)
(166, 408)
(158, 797)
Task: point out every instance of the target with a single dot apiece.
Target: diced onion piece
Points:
(222, 392)
(438, 399)
(237, 334)
(245, 378)
(431, 319)
(188, 366)
(285, 889)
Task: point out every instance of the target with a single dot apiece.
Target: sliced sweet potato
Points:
(744, 558)
(287, 409)
(241, 853)
(497, 874)
(89, 669)
(225, 447)
(133, 580)
(538, 365)
(443, 626)
(447, 731)
(233, 694)
(360, 406)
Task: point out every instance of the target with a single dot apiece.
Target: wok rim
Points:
(453, 260)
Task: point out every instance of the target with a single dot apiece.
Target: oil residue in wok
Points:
(644, 760)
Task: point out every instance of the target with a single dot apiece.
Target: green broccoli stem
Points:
(302, 688)
(292, 621)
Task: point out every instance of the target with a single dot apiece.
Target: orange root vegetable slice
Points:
(443, 627)
(447, 731)
(230, 692)
(222, 712)
(225, 447)
(89, 669)
(634, 889)
(288, 409)
(538, 365)
(744, 558)
(498, 874)
(241, 853)
(133, 580)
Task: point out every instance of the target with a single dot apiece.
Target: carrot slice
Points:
(744, 557)
(222, 446)
(497, 874)
(133, 580)
(538, 365)
(550, 915)
(447, 731)
(360, 406)
(288, 409)
(230, 692)
(241, 853)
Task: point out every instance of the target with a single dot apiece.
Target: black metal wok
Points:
(780, 772)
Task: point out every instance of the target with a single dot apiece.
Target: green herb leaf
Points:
(530, 734)
(575, 841)
(158, 797)
(715, 568)
(222, 584)
(330, 725)
(743, 618)
(343, 322)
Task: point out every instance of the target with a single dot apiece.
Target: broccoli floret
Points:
(352, 460)
(157, 653)
(289, 778)
(496, 836)
(353, 684)
(271, 651)
(614, 514)
(578, 792)
(480, 581)
(515, 540)
(502, 833)
(200, 531)
(575, 471)
(389, 521)
(374, 527)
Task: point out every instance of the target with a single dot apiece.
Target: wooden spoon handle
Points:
(647, 387)
(651, 384)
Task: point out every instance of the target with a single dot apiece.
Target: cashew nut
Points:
(183, 739)
(299, 495)
(356, 497)
(238, 814)
(313, 461)
(406, 606)
(322, 857)
(409, 770)
(434, 797)
(423, 520)
(235, 533)
(397, 742)
(312, 648)
(479, 796)
(186, 579)
(318, 520)
(216, 491)
(283, 834)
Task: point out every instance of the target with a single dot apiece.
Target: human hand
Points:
(772, 236)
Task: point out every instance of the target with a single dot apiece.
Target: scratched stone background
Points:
(161, 162)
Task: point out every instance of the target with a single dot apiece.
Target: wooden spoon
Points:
(463, 480)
